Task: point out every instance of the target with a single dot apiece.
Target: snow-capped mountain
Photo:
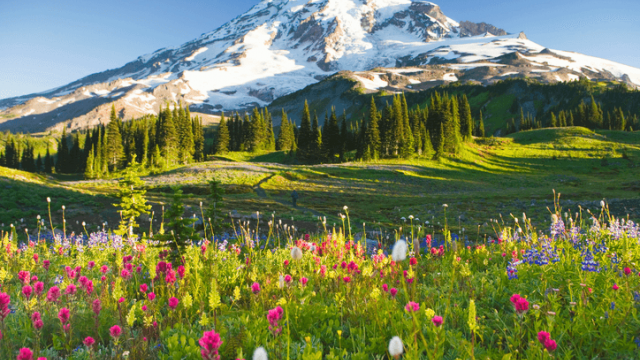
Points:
(281, 46)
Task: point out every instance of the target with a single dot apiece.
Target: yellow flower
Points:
(282, 302)
(236, 294)
(307, 339)
(339, 333)
(430, 313)
(187, 301)
(375, 293)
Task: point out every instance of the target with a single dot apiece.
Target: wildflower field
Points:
(569, 291)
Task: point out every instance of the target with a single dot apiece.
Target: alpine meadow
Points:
(326, 179)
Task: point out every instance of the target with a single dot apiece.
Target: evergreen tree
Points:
(481, 126)
(270, 140)
(258, 136)
(570, 120)
(440, 143)
(316, 139)
(216, 206)
(372, 139)
(180, 232)
(132, 200)
(115, 150)
(222, 138)
(553, 122)
(39, 163)
(48, 162)
(63, 153)
(466, 120)
(305, 136)
(285, 137)
(167, 136)
(89, 173)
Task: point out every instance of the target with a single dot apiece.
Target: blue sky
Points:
(46, 44)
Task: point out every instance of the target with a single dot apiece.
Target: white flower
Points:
(200, 203)
(445, 205)
(84, 223)
(260, 354)
(296, 253)
(48, 199)
(63, 207)
(410, 217)
(427, 222)
(403, 218)
(516, 220)
(399, 252)
(554, 218)
(345, 207)
(395, 347)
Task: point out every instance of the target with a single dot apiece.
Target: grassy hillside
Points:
(508, 175)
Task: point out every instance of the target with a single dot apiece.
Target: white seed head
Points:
(260, 354)
(296, 253)
(48, 199)
(84, 223)
(345, 207)
(410, 217)
(445, 205)
(395, 347)
(63, 207)
(399, 252)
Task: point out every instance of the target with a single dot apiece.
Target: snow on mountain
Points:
(281, 46)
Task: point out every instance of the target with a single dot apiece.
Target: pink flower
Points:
(180, 271)
(171, 277)
(287, 279)
(323, 269)
(125, 274)
(35, 316)
(550, 345)
(46, 264)
(25, 354)
(543, 336)
(144, 288)
(115, 331)
(255, 288)
(38, 324)
(103, 278)
(121, 300)
(173, 303)
(104, 269)
(412, 307)
(27, 291)
(63, 315)
(413, 261)
(393, 292)
(210, 342)
(274, 315)
(346, 279)
(437, 321)
(304, 281)
(627, 271)
(83, 280)
(66, 327)
(151, 296)
(616, 287)
(514, 298)
(38, 288)
(96, 306)
(385, 287)
(35, 258)
(70, 290)
(91, 265)
(522, 305)
(24, 277)
(139, 269)
(129, 267)
(53, 294)
(144, 307)
(88, 341)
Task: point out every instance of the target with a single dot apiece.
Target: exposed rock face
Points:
(281, 46)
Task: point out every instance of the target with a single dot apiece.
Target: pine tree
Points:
(466, 120)
(115, 150)
(63, 153)
(285, 137)
(270, 140)
(305, 136)
(258, 136)
(372, 140)
(39, 163)
(167, 136)
(132, 199)
(48, 162)
(481, 126)
(553, 122)
(316, 139)
(88, 169)
(440, 143)
(180, 232)
(222, 137)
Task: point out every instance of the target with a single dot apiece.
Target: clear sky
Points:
(45, 44)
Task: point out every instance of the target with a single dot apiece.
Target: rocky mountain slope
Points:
(281, 46)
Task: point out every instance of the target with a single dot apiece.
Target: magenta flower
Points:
(24, 277)
(521, 304)
(550, 345)
(616, 287)
(121, 300)
(38, 288)
(393, 292)
(287, 279)
(88, 341)
(255, 288)
(115, 331)
(27, 291)
(125, 274)
(412, 307)
(627, 271)
(274, 315)
(151, 296)
(71, 289)
(437, 321)
(63, 315)
(210, 342)
(346, 279)
(304, 281)
(173, 303)
(96, 306)
(385, 287)
(144, 288)
(543, 336)
(180, 271)
(144, 308)
(171, 277)
(46, 264)
(5, 300)
(25, 354)
(104, 269)
(91, 264)
(413, 261)
(38, 324)
(53, 294)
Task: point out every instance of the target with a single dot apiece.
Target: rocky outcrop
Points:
(468, 28)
